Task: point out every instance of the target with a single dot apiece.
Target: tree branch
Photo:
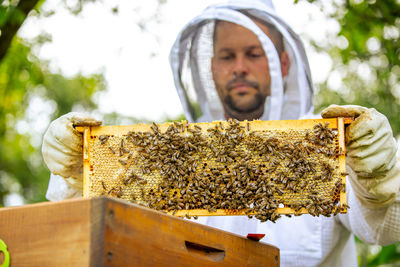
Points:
(11, 27)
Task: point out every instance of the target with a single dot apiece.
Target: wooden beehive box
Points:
(261, 168)
(108, 232)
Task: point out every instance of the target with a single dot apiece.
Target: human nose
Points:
(240, 67)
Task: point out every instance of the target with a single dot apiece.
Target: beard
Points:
(252, 104)
(255, 104)
(251, 111)
(242, 109)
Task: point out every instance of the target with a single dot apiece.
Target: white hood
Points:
(190, 59)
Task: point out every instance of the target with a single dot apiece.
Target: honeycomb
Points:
(255, 168)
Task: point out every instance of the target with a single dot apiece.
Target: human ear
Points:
(213, 67)
(285, 63)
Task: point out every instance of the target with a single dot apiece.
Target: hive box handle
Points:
(205, 252)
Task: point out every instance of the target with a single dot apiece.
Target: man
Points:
(240, 69)
(240, 60)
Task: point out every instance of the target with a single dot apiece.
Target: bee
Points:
(103, 139)
(345, 206)
(142, 194)
(155, 128)
(142, 182)
(111, 191)
(336, 211)
(123, 162)
(111, 149)
(221, 125)
(343, 188)
(119, 192)
(198, 128)
(186, 124)
(103, 185)
(212, 209)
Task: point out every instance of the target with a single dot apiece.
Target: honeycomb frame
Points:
(94, 134)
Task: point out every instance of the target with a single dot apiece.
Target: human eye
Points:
(255, 53)
(226, 56)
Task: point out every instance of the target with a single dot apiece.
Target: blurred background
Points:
(110, 59)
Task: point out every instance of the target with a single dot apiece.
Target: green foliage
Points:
(29, 95)
(11, 13)
(67, 92)
(387, 255)
(370, 63)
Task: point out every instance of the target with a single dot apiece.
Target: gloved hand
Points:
(371, 154)
(63, 144)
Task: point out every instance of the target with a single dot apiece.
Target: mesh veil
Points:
(191, 54)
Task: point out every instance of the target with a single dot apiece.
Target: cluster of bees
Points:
(228, 166)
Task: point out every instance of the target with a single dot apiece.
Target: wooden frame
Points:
(334, 123)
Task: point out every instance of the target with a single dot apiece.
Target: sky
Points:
(135, 61)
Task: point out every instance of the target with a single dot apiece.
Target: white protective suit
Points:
(303, 240)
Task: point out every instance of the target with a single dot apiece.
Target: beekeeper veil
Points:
(191, 54)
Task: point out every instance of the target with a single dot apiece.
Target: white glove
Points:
(371, 154)
(63, 144)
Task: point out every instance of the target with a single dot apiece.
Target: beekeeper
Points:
(241, 60)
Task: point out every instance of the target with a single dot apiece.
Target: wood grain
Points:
(108, 232)
(48, 234)
(143, 237)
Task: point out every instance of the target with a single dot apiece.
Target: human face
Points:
(240, 71)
